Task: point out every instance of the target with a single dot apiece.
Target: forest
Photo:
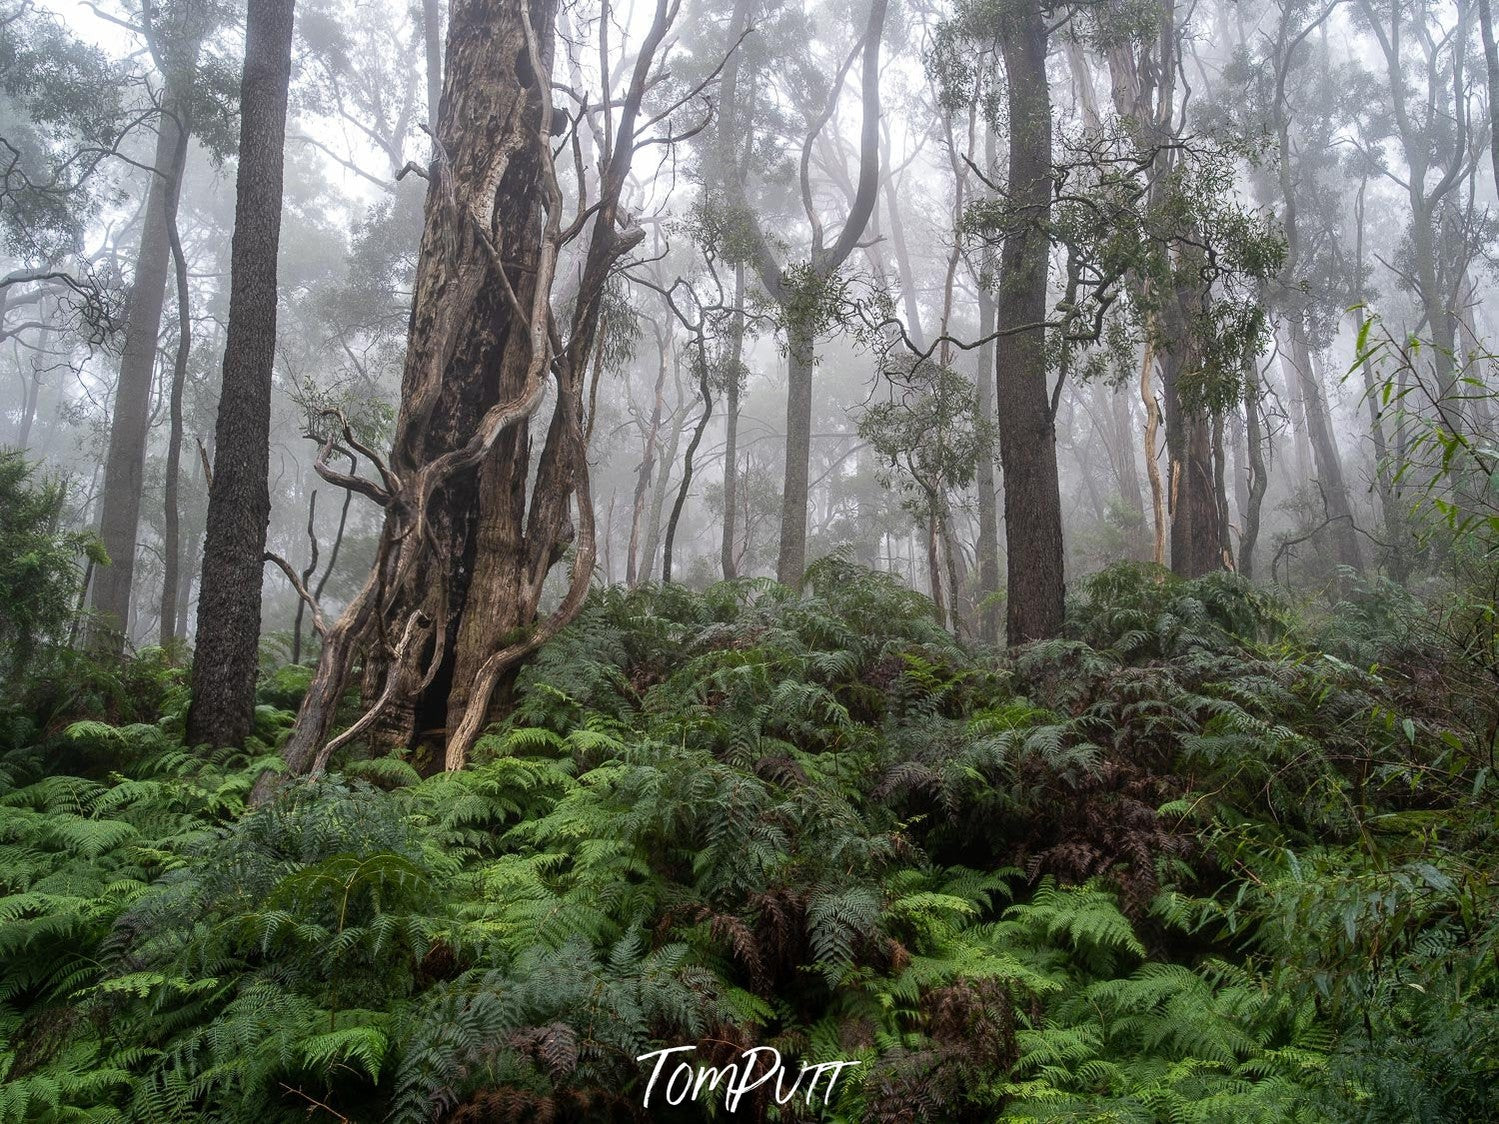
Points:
(556, 552)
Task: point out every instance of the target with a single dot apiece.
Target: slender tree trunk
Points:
(1220, 490)
(189, 566)
(791, 563)
(1440, 317)
(1152, 457)
(1124, 447)
(1385, 472)
(338, 539)
(1491, 73)
(634, 565)
(903, 266)
(239, 500)
(957, 576)
(1295, 406)
(1241, 468)
(307, 572)
(933, 563)
(731, 427)
(1325, 452)
(985, 484)
(609, 538)
(1390, 504)
(33, 385)
(706, 393)
(171, 546)
(432, 41)
(1027, 433)
(124, 463)
(665, 463)
(1258, 480)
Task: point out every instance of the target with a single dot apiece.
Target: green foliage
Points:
(1181, 865)
(60, 100)
(40, 565)
(929, 432)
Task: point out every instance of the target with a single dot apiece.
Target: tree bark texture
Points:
(239, 500)
(471, 531)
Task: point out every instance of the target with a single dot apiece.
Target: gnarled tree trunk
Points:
(451, 607)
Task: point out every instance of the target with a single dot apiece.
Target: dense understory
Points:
(1203, 859)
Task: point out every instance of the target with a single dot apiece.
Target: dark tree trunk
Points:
(1027, 433)
(239, 502)
(124, 463)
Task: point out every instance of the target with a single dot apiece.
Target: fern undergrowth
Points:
(1197, 861)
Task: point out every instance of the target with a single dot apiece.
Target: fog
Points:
(1290, 146)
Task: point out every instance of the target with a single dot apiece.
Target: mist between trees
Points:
(375, 350)
(985, 296)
